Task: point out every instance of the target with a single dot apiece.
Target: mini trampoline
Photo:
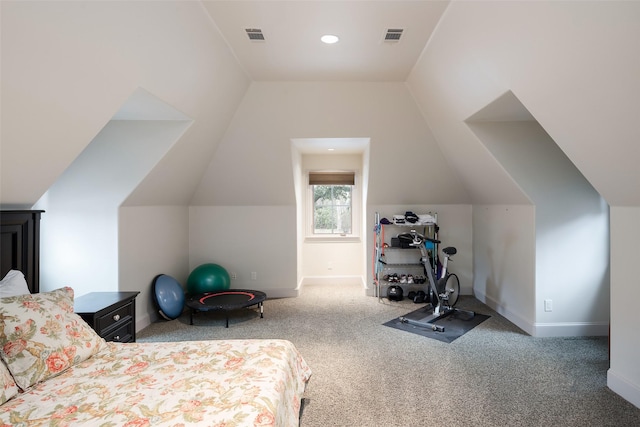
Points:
(232, 299)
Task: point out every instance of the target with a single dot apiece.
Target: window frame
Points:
(356, 209)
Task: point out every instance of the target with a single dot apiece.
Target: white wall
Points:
(152, 240)
(254, 158)
(582, 92)
(79, 238)
(571, 227)
(296, 162)
(245, 240)
(253, 171)
(333, 261)
(504, 245)
(624, 376)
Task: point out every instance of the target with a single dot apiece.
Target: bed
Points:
(55, 370)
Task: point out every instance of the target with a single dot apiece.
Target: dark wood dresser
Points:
(111, 314)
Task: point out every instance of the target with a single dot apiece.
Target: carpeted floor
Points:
(367, 374)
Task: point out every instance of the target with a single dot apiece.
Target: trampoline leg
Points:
(261, 311)
(227, 320)
(191, 318)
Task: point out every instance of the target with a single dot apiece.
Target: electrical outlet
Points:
(548, 305)
(234, 276)
(254, 275)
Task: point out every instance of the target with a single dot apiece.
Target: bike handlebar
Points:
(417, 237)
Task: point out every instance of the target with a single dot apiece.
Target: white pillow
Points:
(13, 284)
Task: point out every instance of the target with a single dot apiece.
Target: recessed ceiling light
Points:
(331, 149)
(329, 39)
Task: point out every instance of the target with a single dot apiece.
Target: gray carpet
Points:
(366, 374)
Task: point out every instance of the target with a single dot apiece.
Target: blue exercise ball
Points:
(208, 278)
(169, 296)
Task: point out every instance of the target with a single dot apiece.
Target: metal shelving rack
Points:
(398, 257)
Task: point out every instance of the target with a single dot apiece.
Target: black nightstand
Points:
(111, 314)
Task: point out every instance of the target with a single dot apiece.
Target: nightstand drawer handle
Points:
(116, 338)
(116, 317)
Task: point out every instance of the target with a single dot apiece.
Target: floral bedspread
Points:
(209, 383)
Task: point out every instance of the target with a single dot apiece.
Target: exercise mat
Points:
(455, 324)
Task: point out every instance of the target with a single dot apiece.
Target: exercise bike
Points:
(443, 293)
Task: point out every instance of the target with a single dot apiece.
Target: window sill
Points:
(332, 239)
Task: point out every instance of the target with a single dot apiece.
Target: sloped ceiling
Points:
(456, 58)
(68, 67)
(583, 92)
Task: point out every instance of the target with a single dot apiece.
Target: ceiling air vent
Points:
(254, 34)
(393, 34)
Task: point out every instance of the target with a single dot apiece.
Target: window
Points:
(332, 202)
(332, 209)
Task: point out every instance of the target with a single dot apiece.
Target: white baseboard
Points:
(624, 388)
(571, 329)
(281, 292)
(548, 330)
(332, 280)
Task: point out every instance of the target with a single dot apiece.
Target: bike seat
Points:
(450, 250)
